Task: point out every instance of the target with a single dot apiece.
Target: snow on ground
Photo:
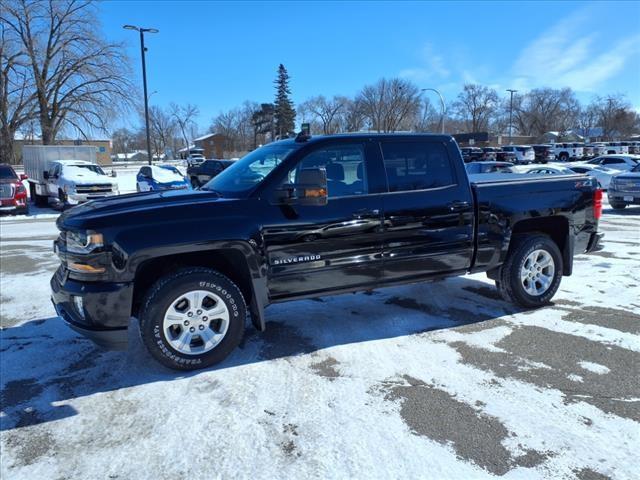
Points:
(440, 380)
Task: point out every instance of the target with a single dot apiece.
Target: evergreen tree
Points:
(285, 114)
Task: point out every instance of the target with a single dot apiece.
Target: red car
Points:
(13, 195)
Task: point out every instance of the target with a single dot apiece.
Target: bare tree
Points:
(164, 127)
(80, 79)
(545, 110)
(475, 106)
(325, 111)
(185, 116)
(17, 99)
(390, 104)
(587, 119)
(616, 117)
(428, 119)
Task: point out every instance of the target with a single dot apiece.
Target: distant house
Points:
(213, 145)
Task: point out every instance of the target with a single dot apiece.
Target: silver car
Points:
(624, 189)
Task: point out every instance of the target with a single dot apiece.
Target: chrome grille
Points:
(93, 189)
(6, 190)
(624, 185)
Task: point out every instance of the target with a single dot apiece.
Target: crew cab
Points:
(200, 173)
(306, 217)
(567, 151)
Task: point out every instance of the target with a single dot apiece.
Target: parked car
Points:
(588, 152)
(13, 194)
(472, 154)
(618, 148)
(617, 162)
(160, 177)
(543, 153)
(524, 153)
(550, 170)
(567, 151)
(201, 173)
(304, 217)
(488, 167)
(602, 174)
(624, 189)
(632, 147)
(490, 153)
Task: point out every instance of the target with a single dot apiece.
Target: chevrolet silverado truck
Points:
(307, 217)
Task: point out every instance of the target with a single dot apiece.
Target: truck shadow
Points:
(45, 364)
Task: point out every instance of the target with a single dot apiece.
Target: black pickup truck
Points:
(200, 173)
(306, 217)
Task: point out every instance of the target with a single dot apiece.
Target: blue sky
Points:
(218, 54)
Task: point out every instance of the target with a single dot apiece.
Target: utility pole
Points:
(511, 91)
(144, 81)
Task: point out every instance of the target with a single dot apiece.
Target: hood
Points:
(628, 175)
(83, 176)
(138, 207)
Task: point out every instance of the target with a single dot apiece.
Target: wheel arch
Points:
(557, 228)
(233, 261)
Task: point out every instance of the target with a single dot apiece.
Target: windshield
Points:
(94, 168)
(7, 172)
(246, 173)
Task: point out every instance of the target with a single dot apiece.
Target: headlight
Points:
(69, 188)
(84, 242)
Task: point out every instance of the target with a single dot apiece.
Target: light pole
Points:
(144, 80)
(511, 91)
(441, 104)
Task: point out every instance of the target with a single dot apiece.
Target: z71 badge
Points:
(305, 258)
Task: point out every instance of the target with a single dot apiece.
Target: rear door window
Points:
(417, 165)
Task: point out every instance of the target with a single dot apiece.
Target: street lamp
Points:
(511, 91)
(144, 80)
(441, 103)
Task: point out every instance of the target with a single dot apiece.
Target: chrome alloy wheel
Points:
(196, 322)
(537, 272)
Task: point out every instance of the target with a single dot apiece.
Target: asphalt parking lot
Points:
(440, 380)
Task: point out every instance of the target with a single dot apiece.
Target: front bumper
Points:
(76, 198)
(103, 315)
(629, 198)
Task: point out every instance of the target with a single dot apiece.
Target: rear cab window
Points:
(419, 165)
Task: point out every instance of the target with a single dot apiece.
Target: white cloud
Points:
(562, 57)
(433, 66)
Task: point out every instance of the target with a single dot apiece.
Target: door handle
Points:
(458, 205)
(366, 213)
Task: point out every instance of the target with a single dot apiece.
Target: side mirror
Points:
(45, 175)
(23, 177)
(311, 188)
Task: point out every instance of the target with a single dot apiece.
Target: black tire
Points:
(564, 157)
(509, 283)
(618, 206)
(164, 292)
(62, 198)
(38, 200)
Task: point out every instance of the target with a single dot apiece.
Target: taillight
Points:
(597, 204)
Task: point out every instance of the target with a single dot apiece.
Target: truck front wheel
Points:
(532, 271)
(192, 319)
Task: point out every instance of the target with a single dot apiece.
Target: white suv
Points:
(524, 153)
(617, 162)
(568, 151)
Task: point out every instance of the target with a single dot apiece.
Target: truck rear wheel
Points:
(532, 272)
(192, 319)
(618, 206)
